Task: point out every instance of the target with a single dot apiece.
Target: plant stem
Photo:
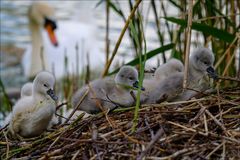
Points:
(107, 32)
(120, 38)
(188, 43)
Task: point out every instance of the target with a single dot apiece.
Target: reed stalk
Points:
(188, 43)
(120, 38)
(160, 37)
(142, 62)
(107, 41)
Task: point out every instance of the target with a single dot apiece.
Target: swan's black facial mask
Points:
(52, 23)
(50, 26)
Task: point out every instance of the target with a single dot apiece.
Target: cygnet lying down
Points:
(173, 66)
(200, 63)
(107, 93)
(163, 71)
(31, 114)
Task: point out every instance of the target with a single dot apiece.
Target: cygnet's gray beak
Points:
(136, 85)
(50, 92)
(211, 72)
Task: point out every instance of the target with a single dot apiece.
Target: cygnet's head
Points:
(171, 67)
(41, 14)
(43, 84)
(26, 89)
(202, 60)
(175, 65)
(127, 76)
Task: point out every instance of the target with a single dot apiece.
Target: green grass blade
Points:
(6, 104)
(148, 55)
(176, 54)
(176, 5)
(218, 33)
(218, 11)
(99, 3)
(116, 9)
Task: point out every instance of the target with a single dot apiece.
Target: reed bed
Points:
(203, 128)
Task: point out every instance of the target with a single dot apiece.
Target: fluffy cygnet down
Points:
(107, 92)
(200, 63)
(165, 70)
(26, 89)
(171, 67)
(32, 114)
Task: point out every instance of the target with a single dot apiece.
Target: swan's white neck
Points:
(37, 44)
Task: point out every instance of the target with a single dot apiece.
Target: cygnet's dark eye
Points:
(45, 85)
(122, 75)
(131, 78)
(205, 62)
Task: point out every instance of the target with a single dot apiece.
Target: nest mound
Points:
(205, 128)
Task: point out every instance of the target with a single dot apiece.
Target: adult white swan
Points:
(58, 40)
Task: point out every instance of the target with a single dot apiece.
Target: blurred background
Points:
(161, 23)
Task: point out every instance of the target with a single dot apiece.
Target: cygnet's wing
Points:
(119, 97)
(150, 84)
(105, 91)
(96, 91)
(20, 113)
(161, 72)
(78, 95)
(26, 89)
(171, 87)
(30, 116)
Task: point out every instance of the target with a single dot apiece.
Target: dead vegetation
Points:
(204, 128)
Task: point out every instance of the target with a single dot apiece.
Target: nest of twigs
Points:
(205, 128)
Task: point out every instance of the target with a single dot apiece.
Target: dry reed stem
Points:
(77, 107)
(150, 145)
(120, 38)
(188, 43)
(103, 141)
(225, 53)
(208, 156)
(226, 69)
(215, 17)
(7, 143)
(107, 47)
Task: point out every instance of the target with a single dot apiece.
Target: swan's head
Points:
(42, 14)
(171, 67)
(26, 89)
(43, 84)
(128, 77)
(202, 60)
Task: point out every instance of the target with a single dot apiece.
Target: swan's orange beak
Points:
(50, 30)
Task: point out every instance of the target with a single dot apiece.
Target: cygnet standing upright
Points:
(32, 114)
(107, 92)
(200, 65)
